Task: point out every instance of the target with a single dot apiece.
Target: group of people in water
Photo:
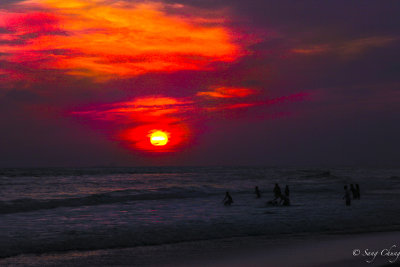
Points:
(283, 199)
(280, 199)
(354, 190)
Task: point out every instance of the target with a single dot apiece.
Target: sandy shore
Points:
(319, 250)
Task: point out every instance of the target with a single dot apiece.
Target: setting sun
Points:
(158, 138)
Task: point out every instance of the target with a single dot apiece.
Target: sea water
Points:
(62, 209)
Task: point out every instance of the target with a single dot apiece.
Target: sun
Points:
(158, 138)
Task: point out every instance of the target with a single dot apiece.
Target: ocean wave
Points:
(123, 237)
(117, 238)
(77, 172)
(118, 196)
(29, 204)
(98, 171)
(316, 174)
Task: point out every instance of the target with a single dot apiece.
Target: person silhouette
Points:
(353, 191)
(347, 196)
(358, 191)
(287, 191)
(257, 192)
(277, 191)
(227, 199)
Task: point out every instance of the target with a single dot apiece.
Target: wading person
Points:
(257, 192)
(277, 191)
(227, 199)
(347, 196)
(287, 191)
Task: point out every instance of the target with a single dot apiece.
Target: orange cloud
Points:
(104, 39)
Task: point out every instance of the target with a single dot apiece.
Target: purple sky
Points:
(305, 83)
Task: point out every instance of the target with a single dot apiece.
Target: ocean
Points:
(66, 209)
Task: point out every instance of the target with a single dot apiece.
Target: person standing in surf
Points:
(277, 191)
(257, 192)
(347, 196)
(358, 191)
(353, 191)
(227, 199)
(287, 191)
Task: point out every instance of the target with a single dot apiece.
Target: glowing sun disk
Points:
(158, 138)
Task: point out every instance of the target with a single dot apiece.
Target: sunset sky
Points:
(133, 83)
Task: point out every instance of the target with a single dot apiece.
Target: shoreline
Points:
(330, 249)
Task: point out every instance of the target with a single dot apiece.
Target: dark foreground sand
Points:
(322, 250)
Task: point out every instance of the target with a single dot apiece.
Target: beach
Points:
(320, 250)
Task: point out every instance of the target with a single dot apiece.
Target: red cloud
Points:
(36, 22)
(174, 116)
(228, 92)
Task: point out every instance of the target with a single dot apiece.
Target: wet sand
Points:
(301, 250)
